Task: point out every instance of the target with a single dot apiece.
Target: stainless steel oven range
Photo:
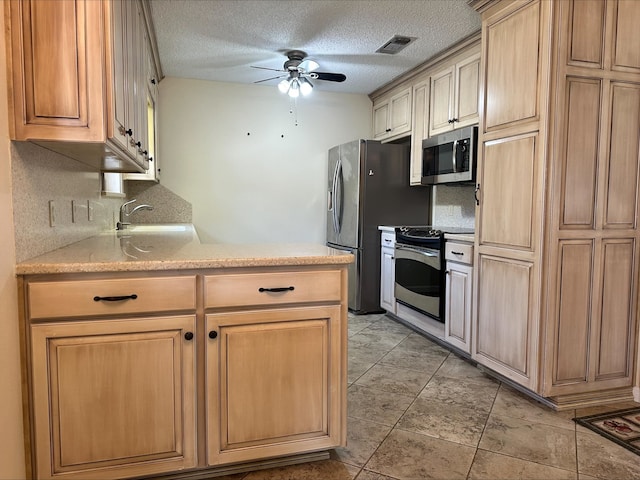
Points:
(420, 268)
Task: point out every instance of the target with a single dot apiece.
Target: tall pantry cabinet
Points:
(557, 242)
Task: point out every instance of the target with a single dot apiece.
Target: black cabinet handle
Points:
(278, 289)
(475, 194)
(457, 253)
(115, 299)
(138, 144)
(450, 120)
(151, 159)
(213, 334)
(454, 120)
(129, 132)
(153, 80)
(388, 130)
(188, 336)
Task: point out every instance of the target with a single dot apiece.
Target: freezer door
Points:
(333, 209)
(354, 280)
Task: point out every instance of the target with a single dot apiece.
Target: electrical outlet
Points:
(52, 213)
(89, 211)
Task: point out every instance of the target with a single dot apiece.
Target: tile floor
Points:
(417, 411)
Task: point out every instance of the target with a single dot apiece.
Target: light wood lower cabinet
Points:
(387, 271)
(458, 288)
(272, 382)
(113, 398)
(116, 365)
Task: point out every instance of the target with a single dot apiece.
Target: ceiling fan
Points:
(298, 73)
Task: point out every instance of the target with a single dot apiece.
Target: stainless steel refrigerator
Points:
(369, 186)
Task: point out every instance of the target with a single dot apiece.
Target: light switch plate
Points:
(74, 211)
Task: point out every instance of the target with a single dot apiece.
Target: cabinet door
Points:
(113, 398)
(467, 77)
(275, 382)
(400, 113)
(381, 127)
(457, 314)
(119, 72)
(419, 130)
(441, 101)
(59, 41)
(387, 280)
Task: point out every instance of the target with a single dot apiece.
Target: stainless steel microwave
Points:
(450, 157)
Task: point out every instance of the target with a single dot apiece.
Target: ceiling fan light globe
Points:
(283, 86)
(294, 90)
(306, 88)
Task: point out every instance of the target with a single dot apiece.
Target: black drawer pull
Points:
(277, 289)
(213, 334)
(115, 299)
(457, 253)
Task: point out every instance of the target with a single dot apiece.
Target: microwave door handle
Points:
(455, 154)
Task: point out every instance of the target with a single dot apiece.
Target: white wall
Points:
(234, 152)
(11, 440)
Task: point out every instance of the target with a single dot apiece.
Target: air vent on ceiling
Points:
(396, 44)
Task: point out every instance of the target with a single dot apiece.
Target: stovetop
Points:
(427, 235)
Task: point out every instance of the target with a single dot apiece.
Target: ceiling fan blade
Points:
(265, 68)
(272, 78)
(330, 77)
(308, 65)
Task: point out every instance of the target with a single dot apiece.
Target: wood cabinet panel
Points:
(512, 68)
(615, 341)
(441, 111)
(574, 306)
(420, 129)
(152, 295)
(273, 382)
(627, 47)
(113, 398)
(504, 321)
(457, 319)
(466, 91)
(248, 289)
(624, 156)
(586, 33)
(508, 183)
(55, 40)
(580, 157)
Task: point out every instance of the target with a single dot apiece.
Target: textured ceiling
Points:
(220, 39)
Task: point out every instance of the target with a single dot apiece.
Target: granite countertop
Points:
(141, 251)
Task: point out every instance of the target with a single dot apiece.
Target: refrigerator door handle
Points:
(337, 210)
(332, 194)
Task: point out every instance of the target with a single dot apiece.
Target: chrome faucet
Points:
(125, 213)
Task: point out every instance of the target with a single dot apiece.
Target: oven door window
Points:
(419, 280)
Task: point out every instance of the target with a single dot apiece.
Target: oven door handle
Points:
(426, 253)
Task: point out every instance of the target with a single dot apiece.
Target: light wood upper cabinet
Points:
(392, 115)
(454, 95)
(512, 68)
(95, 109)
(419, 129)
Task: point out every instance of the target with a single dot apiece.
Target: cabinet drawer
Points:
(388, 239)
(459, 252)
(245, 289)
(87, 297)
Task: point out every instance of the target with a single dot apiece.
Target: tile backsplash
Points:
(453, 206)
(40, 176)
